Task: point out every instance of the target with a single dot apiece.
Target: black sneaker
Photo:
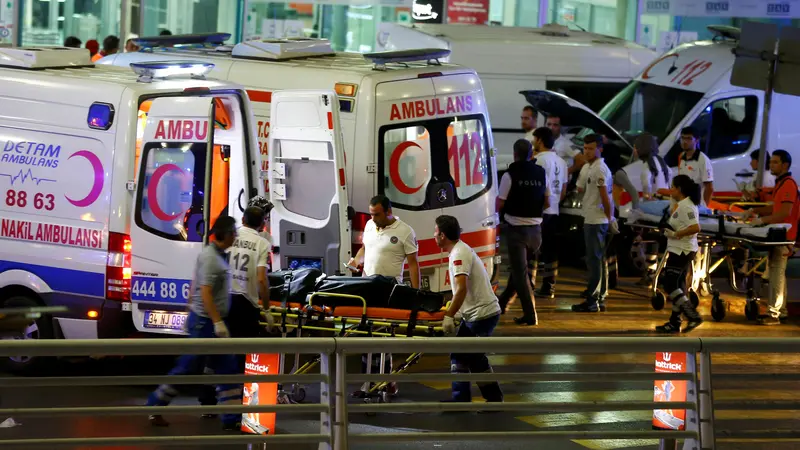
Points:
(669, 328)
(769, 321)
(692, 324)
(157, 420)
(524, 321)
(590, 307)
(544, 293)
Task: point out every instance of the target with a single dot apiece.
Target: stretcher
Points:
(745, 249)
(325, 313)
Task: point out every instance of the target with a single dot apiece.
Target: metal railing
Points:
(334, 410)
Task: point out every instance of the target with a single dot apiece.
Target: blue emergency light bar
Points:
(197, 39)
(148, 71)
(430, 55)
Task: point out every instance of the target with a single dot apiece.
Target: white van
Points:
(413, 129)
(109, 180)
(588, 67)
(687, 86)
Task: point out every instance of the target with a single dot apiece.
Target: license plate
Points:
(164, 320)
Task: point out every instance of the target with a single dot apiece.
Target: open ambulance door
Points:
(309, 222)
(178, 181)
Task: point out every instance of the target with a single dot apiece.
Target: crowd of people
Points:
(110, 45)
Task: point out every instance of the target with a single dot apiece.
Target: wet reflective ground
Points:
(629, 314)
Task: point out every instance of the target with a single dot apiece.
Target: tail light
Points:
(118, 267)
(359, 224)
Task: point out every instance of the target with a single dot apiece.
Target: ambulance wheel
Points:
(658, 301)
(42, 328)
(751, 310)
(694, 299)
(718, 308)
(298, 394)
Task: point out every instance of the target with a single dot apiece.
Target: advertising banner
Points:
(469, 12)
(670, 391)
(785, 9)
(260, 393)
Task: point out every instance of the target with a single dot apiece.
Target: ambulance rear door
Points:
(172, 209)
(309, 223)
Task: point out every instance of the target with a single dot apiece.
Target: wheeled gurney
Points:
(348, 306)
(742, 247)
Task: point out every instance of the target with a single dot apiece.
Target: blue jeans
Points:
(595, 237)
(227, 394)
(474, 362)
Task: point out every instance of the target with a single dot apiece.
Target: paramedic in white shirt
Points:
(598, 216)
(249, 284)
(388, 244)
(682, 245)
(475, 301)
(563, 146)
(751, 192)
(556, 174)
(695, 164)
(528, 122)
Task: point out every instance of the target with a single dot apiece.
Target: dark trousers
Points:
(226, 394)
(675, 281)
(523, 243)
(243, 321)
(548, 259)
(474, 362)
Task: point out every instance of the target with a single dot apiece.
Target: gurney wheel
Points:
(298, 394)
(385, 397)
(718, 308)
(751, 310)
(658, 301)
(694, 298)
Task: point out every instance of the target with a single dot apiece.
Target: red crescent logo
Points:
(646, 74)
(98, 179)
(152, 192)
(394, 168)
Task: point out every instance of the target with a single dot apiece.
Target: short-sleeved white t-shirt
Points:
(249, 252)
(556, 171)
(385, 250)
(598, 175)
(649, 184)
(563, 148)
(685, 214)
(480, 302)
(698, 169)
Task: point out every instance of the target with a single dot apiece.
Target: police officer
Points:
(523, 197)
(209, 304)
(556, 173)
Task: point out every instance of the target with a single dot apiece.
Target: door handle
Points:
(745, 174)
(239, 201)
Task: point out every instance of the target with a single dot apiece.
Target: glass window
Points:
(726, 128)
(171, 190)
(185, 17)
(407, 164)
(466, 155)
(50, 22)
(597, 16)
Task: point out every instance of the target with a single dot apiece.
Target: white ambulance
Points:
(109, 180)
(687, 86)
(588, 67)
(413, 129)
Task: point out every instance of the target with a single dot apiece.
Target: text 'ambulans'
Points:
(29, 153)
(50, 233)
(431, 107)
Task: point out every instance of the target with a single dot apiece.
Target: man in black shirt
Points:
(523, 198)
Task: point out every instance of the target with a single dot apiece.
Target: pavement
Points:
(629, 314)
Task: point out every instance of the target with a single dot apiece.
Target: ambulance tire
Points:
(41, 329)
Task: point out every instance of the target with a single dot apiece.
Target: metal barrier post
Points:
(668, 444)
(692, 419)
(706, 406)
(325, 389)
(342, 423)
